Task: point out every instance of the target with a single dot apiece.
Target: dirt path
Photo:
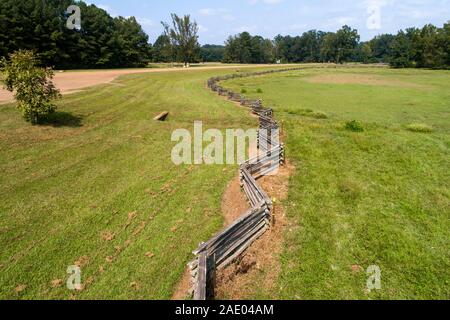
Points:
(74, 81)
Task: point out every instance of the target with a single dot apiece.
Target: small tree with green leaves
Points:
(31, 84)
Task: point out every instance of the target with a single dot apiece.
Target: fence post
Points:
(200, 288)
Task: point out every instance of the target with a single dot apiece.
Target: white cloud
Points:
(108, 9)
(104, 7)
(228, 17)
(224, 14)
(202, 28)
(269, 2)
(344, 20)
(145, 22)
(249, 28)
(297, 26)
(207, 12)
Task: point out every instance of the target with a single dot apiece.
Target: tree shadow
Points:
(62, 119)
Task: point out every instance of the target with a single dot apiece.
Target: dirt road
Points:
(74, 81)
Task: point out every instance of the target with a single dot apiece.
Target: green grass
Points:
(103, 166)
(181, 65)
(101, 169)
(378, 197)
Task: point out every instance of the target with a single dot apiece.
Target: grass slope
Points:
(378, 197)
(97, 186)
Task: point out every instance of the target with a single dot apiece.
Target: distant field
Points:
(70, 81)
(180, 65)
(96, 186)
(379, 197)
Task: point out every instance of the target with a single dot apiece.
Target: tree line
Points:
(111, 42)
(102, 42)
(428, 47)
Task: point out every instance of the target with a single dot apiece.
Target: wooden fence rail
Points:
(229, 244)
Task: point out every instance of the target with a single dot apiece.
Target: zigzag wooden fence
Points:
(226, 246)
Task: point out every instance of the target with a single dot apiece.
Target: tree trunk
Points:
(34, 119)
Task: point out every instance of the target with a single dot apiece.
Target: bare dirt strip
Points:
(260, 263)
(75, 81)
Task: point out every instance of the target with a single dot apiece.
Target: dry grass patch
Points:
(419, 127)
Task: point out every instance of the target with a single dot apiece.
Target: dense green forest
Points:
(107, 42)
(102, 42)
(212, 53)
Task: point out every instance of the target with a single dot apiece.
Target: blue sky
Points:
(219, 19)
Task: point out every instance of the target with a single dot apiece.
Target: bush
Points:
(354, 126)
(259, 90)
(419, 127)
(243, 91)
(31, 84)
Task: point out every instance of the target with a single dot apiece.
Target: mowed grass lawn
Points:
(96, 187)
(379, 197)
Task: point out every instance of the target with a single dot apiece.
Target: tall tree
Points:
(346, 41)
(162, 49)
(380, 46)
(445, 42)
(402, 50)
(184, 35)
(430, 51)
(231, 54)
(328, 48)
(364, 53)
(311, 42)
(243, 48)
(131, 43)
(281, 49)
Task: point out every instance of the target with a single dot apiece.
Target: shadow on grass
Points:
(62, 119)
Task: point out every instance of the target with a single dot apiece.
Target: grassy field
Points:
(378, 197)
(96, 186)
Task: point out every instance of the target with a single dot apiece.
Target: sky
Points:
(219, 19)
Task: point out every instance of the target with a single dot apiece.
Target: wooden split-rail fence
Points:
(225, 247)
